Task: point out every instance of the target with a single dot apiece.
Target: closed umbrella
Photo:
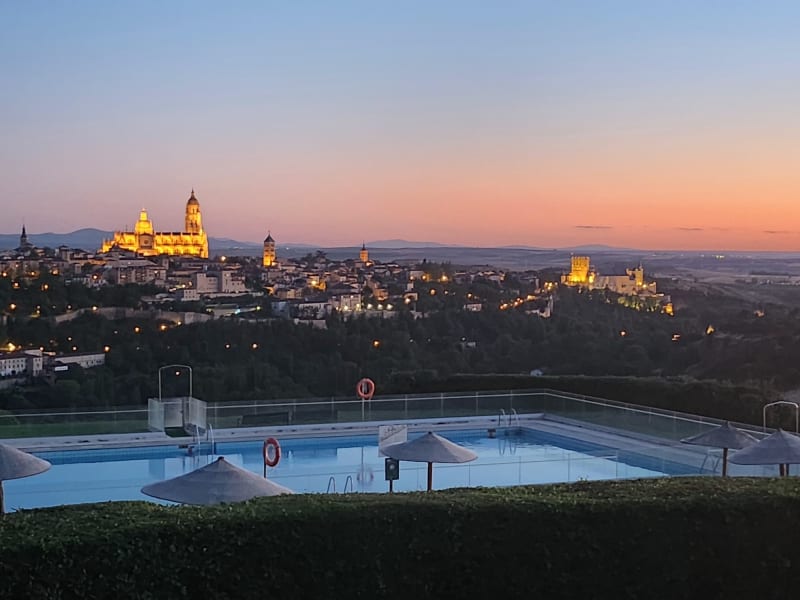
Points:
(214, 484)
(15, 464)
(780, 448)
(430, 448)
(725, 436)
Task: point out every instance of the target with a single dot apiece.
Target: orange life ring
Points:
(365, 389)
(271, 442)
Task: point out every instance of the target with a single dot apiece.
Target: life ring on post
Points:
(365, 389)
(276, 449)
(365, 476)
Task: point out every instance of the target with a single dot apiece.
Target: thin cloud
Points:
(593, 227)
(689, 228)
(778, 231)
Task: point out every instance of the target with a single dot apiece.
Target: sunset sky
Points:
(649, 124)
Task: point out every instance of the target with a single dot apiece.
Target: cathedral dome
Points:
(192, 200)
(268, 239)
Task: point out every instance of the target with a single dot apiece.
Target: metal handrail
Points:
(500, 418)
(331, 484)
(515, 414)
(778, 403)
(210, 431)
(346, 481)
(522, 399)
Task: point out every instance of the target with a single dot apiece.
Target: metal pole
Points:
(724, 462)
(430, 476)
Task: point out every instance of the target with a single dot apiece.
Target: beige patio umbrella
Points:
(725, 436)
(214, 484)
(15, 464)
(781, 448)
(430, 448)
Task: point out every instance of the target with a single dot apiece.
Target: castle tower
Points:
(638, 275)
(194, 222)
(269, 251)
(579, 269)
(363, 256)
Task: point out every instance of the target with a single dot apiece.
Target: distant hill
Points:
(91, 239)
(87, 239)
(407, 244)
(600, 248)
(215, 243)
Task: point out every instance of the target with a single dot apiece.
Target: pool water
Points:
(514, 457)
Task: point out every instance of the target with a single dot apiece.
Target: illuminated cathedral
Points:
(144, 240)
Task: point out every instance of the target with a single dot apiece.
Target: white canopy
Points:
(214, 484)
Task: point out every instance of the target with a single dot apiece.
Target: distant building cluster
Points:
(35, 362)
(193, 288)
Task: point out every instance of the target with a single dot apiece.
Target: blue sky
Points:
(657, 124)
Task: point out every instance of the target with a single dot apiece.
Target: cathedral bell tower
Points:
(269, 251)
(363, 256)
(194, 222)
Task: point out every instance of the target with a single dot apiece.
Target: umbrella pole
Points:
(430, 476)
(781, 470)
(724, 462)
(2, 499)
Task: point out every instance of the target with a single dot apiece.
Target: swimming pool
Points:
(516, 456)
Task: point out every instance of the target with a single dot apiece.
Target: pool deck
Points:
(693, 456)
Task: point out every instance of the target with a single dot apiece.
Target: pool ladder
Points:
(508, 418)
(332, 485)
(210, 438)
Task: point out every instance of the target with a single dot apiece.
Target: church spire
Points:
(23, 239)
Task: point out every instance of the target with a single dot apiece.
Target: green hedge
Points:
(665, 538)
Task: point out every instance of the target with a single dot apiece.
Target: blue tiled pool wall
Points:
(315, 447)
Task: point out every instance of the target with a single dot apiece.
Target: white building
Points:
(24, 362)
(86, 360)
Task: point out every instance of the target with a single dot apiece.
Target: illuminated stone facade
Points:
(582, 274)
(269, 251)
(145, 241)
